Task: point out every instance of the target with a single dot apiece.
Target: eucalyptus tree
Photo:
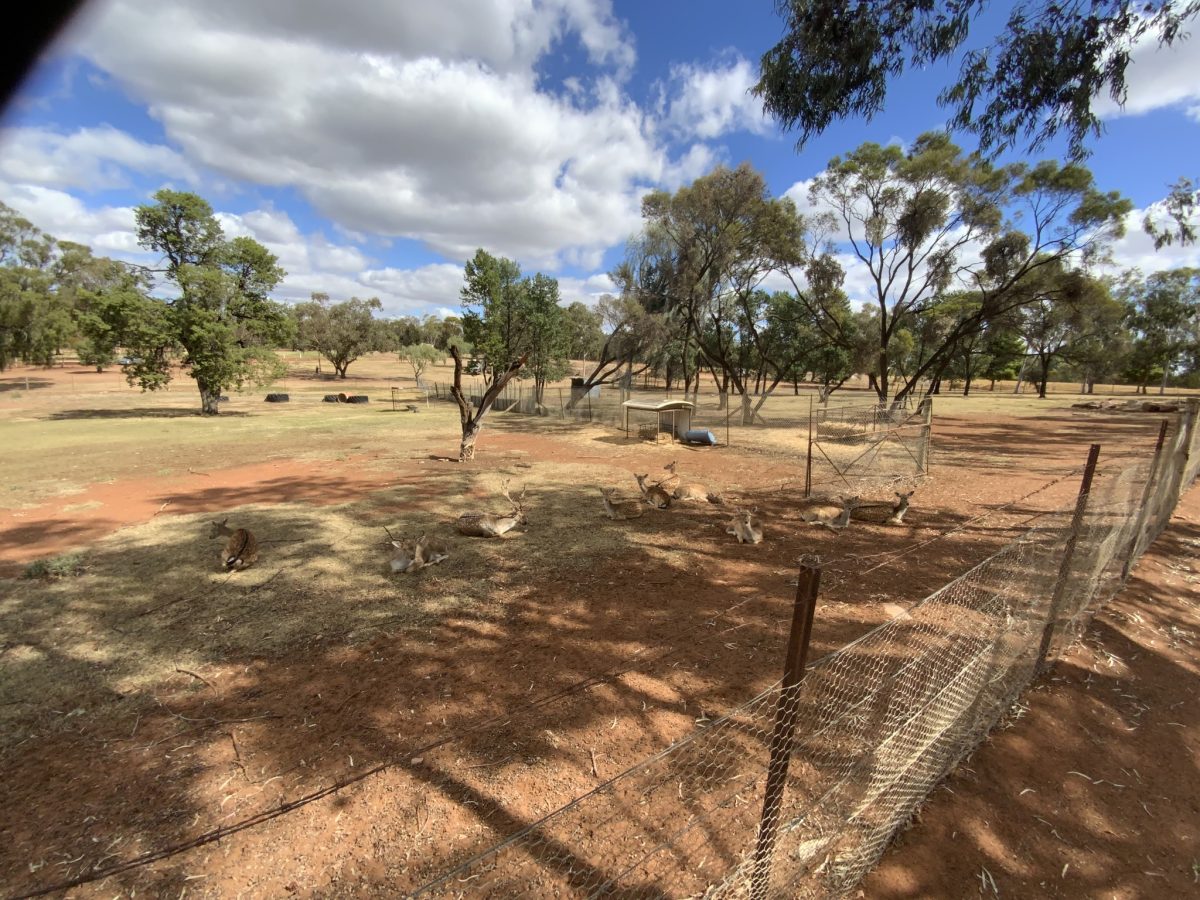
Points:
(714, 243)
(933, 219)
(1033, 79)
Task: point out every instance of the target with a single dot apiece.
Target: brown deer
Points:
(491, 525)
(653, 494)
(686, 490)
(412, 557)
(899, 508)
(620, 509)
(241, 548)
(829, 514)
(743, 526)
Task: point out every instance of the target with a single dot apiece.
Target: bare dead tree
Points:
(472, 417)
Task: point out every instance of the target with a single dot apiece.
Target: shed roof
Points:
(659, 406)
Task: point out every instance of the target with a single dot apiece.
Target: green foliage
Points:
(506, 316)
(420, 357)
(1164, 318)
(222, 320)
(584, 335)
(65, 566)
(927, 220)
(1180, 212)
(1037, 78)
(342, 332)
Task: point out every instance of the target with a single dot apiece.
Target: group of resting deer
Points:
(241, 547)
(672, 488)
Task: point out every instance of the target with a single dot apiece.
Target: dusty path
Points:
(1093, 790)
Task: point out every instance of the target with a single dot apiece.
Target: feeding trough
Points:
(670, 417)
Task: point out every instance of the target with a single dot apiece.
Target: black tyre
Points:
(358, 398)
(277, 398)
(331, 398)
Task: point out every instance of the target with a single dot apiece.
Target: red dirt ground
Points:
(1094, 791)
(261, 732)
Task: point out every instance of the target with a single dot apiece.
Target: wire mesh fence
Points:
(878, 724)
(849, 441)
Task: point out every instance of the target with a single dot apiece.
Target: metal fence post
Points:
(926, 434)
(1064, 569)
(808, 462)
(1131, 554)
(783, 738)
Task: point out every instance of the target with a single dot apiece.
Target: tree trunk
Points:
(1043, 378)
(210, 399)
(872, 382)
(967, 385)
(472, 419)
(1162, 388)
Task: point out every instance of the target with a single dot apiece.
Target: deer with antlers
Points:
(492, 525)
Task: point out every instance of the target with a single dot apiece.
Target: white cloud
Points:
(108, 230)
(1156, 77)
(713, 102)
(91, 158)
(1136, 248)
(412, 120)
(584, 290)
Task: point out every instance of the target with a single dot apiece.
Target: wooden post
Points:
(1064, 569)
(1131, 554)
(783, 738)
(727, 422)
(808, 462)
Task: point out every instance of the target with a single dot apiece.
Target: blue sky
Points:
(373, 145)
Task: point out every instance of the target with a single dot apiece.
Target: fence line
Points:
(881, 721)
(849, 442)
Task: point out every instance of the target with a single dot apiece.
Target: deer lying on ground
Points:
(491, 525)
(653, 494)
(686, 490)
(743, 526)
(896, 508)
(620, 509)
(899, 508)
(830, 514)
(241, 548)
(412, 557)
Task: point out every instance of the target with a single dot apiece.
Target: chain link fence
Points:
(878, 724)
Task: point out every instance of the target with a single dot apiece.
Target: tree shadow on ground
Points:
(22, 384)
(171, 412)
(246, 691)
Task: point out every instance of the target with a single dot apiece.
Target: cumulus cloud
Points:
(91, 158)
(108, 230)
(708, 103)
(1136, 248)
(1156, 78)
(411, 120)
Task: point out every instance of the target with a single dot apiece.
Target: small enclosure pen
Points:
(673, 417)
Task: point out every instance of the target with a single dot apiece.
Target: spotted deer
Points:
(620, 509)
(413, 556)
(241, 547)
(653, 494)
(686, 490)
(492, 525)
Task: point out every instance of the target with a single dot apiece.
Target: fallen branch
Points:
(194, 675)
